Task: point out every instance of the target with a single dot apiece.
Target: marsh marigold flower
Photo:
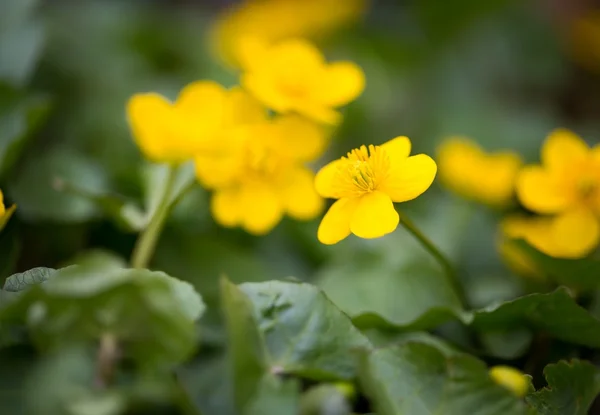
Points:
(510, 378)
(366, 183)
(567, 186)
(469, 171)
(273, 20)
(197, 122)
(292, 76)
(536, 229)
(265, 177)
(5, 213)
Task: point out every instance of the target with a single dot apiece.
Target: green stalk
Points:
(437, 254)
(146, 243)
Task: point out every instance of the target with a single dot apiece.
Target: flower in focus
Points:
(5, 213)
(566, 185)
(466, 169)
(367, 182)
(534, 231)
(203, 115)
(292, 76)
(265, 177)
(273, 20)
(510, 378)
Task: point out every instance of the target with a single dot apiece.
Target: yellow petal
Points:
(327, 179)
(214, 171)
(562, 149)
(226, 208)
(204, 105)
(397, 149)
(6, 215)
(299, 196)
(152, 123)
(250, 51)
(335, 225)
(261, 207)
(299, 138)
(576, 233)
(409, 178)
(295, 57)
(243, 108)
(539, 191)
(317, 111)
(511, 379)
(374, 216)
(266, 91)
(342, 82)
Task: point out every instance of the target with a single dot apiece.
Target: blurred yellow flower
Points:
(487, 178)
(196, 122)
(265, 177)
(535, 231)
(566, 184)
(367, 182)
(583, 40)
(273, 20)
(512, 379)
(5, 213)
(292, 76)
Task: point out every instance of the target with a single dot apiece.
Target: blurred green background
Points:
(502, 72)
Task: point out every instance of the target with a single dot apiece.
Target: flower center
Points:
(362, 175)
(364, 171)
(587, 187)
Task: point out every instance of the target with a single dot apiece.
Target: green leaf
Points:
(155, 177)
(555, 313)
(14, 12)
(409, 295)
(151, 314)
(575, 273)
(20, 47)
(418, 379)
(274, 396)
(24, 280)
(246, 346)
(572, 388)
(304, 332)
(324, 399)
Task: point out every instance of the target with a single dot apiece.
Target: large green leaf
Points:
(151, 314)
(24, 280)
(419, 379)
(572, 387)
(410, 295)
(304, 332)
(576, 273)
(555, 313)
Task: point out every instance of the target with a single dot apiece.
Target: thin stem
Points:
(146, 243)
(108, 354)
(437, 254)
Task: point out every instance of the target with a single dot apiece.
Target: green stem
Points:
(146, 243)
(437, 254)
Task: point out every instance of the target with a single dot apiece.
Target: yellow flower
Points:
(530, 229)
(273, 20)
(583, 40)
(367, 182)
(264, 178)
(466, 169)
(5, 213)
(566, 184)
(203, 114)
(292, 76)
(510, 378)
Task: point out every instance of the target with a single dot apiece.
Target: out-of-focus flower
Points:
(202, 116)
(566, 184)
(367, 182)
(510, 378)
(292, 76)
(584, 40)
(529, 229)
(265, 177)
(5, 213)
(273, 20)
(487, 178)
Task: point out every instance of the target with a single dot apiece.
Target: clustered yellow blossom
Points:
(510, 378)
(5, 213)
(471, 172)
(251, 144)
(274, 20)
(565, 188)
(366, 183)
